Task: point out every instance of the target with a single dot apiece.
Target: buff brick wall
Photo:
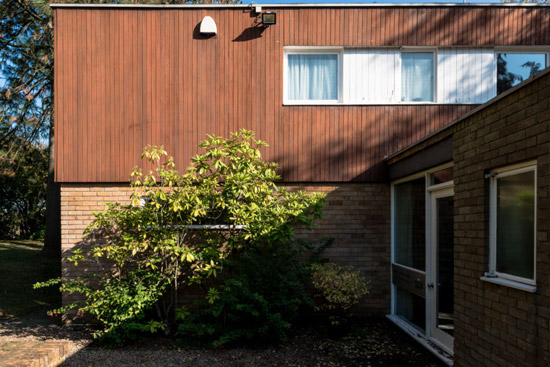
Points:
(497, 325)
(78, 202)
(356, 215)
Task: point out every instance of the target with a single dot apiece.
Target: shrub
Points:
(338, 289)
(261, 298)
(151, 247)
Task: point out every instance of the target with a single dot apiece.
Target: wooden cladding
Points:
(128, 77)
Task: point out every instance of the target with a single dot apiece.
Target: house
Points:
(491, 178)
(402, 114)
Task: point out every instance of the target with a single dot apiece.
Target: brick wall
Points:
(356, 215)
(78, 202)
(496, 325)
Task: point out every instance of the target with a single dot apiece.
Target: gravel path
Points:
(376, 343)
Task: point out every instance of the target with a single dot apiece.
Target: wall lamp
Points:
(208, 27)
(269, 18)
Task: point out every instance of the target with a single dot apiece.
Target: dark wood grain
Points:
(126, 78)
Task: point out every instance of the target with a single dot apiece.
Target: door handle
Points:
(430, 285)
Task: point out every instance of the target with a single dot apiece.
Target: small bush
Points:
(338, 289)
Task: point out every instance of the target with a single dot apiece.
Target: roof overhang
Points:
(273, 6)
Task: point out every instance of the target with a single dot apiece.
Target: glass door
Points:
(422, 256)
(409, 255)
(440, 274)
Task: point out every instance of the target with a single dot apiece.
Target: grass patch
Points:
(22, 265)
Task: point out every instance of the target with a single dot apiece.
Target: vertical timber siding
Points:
(128, 77)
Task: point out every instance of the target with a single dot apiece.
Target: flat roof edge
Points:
(490, 102)
(244, 6)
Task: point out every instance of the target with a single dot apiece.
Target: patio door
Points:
(422, 257)
(439, 275)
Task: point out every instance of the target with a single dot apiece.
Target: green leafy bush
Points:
(182, 229)
(338, 289)
(261, 298)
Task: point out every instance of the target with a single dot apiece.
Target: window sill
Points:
(331, 103)
(444, 355)
(510, 283)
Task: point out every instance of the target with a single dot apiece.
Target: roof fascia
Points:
(273, 6)
(472, 112)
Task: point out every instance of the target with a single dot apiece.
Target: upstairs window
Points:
(417, 77)
(513, 223)
(513, 68)
(316, 75)
(313, 77)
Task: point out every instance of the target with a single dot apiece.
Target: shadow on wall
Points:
(251, 33)
(357, 217)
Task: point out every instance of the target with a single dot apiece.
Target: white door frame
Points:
(438, 336)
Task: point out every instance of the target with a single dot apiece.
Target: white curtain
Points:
(416, 77)
(313, 77)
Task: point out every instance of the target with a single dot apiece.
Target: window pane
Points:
(409, 224)
(410, 307)
(313, 77)
(417, 79)
(514, 68)
(515, 225)
(445, 175)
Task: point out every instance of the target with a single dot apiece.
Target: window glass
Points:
(513, 68)
(313, 77)
(516, 225)
(445, 175)
(410, 307)
(409, 224)
(417, 77)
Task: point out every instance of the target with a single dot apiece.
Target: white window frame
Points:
(518, 50)
(413, 50)
(340, 51)
(504, 278)
(290, 50)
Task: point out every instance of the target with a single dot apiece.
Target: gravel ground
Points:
(374, 343)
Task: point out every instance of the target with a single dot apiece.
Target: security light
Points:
(269, 18)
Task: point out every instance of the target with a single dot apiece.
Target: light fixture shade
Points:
(208, 26)
(269, 18)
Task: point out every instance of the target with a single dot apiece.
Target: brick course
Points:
(357, 216)
(496, 325)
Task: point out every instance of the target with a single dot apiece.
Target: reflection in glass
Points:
(445, 263)
(417, 80)
(513, 68)
(409, 224)
(441, 176)
(516, 225)
(411, 308)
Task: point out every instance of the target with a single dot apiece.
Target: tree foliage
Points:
(25, 108)
(182, 229)
(26, 56)
(23, 192)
